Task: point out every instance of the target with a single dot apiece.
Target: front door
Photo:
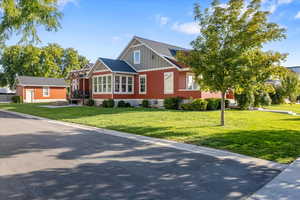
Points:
(29, 96)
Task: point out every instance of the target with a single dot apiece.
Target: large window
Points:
(46, 91)
(102, 84)
(137, 57)
(143, 84)
(169, 82)
(124, 84)
(191, 83)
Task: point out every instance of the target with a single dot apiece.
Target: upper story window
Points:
(137, 57)
(124, 84)
(46, 91)
(191, 83)
(102, 84)
(143, 84)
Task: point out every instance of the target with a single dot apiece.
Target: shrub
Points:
(278, 96)
(17, 99)
(145, 103)
(213, 104)
(262, 99)
(110, 103)
(127, 105)
(199, 104)
(90, 102)
(227, 103)
(121, 104)
(172, 103)
(245, 100)
(196, 105)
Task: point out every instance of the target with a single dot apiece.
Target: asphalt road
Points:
(40, 160)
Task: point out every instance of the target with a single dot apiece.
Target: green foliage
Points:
(121, 104)
(290, 84)
(262, 98)
(24, 16)
(110, 103)
(145, 103)
(245, 100)
(90, 102)
(277, 96)
(228, 54)
(172, 103)
(127, 105)
(195, 105)
(213, 104)
(17, 99)
(49, 61)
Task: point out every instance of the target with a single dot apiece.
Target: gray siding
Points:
(149, 59)
(100, 67)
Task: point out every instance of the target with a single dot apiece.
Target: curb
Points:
(220, 154)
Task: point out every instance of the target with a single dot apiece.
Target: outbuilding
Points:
(40, 89)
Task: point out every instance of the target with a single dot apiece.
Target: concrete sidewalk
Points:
(286, 186)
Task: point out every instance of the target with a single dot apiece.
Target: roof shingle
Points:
(41, 81)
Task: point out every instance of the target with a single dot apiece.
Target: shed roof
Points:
(41, 81)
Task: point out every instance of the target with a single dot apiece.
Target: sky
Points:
(103, 28)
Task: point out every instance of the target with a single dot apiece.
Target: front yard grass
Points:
(263, 135)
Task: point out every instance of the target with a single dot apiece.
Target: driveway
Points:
(42, 160)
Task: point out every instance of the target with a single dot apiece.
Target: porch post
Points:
(83, 90)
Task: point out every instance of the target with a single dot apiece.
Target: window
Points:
(191, 83)
(102, 84)
(137, 57)
(168, 82)
(124, 84)
(143, 84)
(46, 92)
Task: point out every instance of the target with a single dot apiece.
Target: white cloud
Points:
(285, 1)
(62, 3)
(162, 20)
(298, 15)
(116, 38)
(189, 28)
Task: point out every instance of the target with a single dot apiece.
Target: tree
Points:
(24, 16)
(227, 54)
(49, 61)
(290, 85)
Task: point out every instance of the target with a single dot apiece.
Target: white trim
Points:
(47, 100)
(165, 91)
(120, 84)
(102, 75)
(44, 88)
(187, 90)
(156, 69)
(137, 62)
(137, 45)
(97, 71)
(144, 76)
(133, 73)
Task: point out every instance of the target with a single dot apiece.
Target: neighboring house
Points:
(145, 69)
(6, 90)
(38, 89)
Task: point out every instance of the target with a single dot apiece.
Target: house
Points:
(39, 89)
(145, 69)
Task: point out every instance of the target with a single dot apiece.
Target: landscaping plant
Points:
(172, 103)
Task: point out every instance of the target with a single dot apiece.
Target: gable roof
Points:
(164, 49)
(41, 81)
(117, 65)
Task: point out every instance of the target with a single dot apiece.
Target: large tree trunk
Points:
(223, 109)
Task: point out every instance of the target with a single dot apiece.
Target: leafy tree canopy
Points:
(228, 52)
(49, 61)
(22, 17)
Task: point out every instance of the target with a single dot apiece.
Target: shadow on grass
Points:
(88, 165)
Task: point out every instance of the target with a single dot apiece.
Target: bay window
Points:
(191, 83)
(102, 84)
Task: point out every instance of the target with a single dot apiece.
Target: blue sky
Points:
(101, 28)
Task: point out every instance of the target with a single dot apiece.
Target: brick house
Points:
(39, 89)
(145, 69)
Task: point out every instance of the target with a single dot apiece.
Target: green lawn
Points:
(264, 135)
(290, 107)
